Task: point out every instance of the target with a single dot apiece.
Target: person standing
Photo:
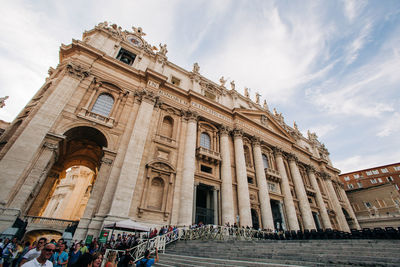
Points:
(74, 254)
(43, 259)
(35, 252)
(60, 258)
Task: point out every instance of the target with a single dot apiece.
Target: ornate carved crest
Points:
(77, 71)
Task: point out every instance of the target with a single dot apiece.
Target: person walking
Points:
(60, 258)
(35, 252)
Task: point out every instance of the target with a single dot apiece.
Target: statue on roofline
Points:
(258, 98)
(3, 101)
(233, 85)
(196, 68)
(163, 49)
(222, 81)
(246, 92)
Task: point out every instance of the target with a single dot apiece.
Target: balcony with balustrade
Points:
(208, 155)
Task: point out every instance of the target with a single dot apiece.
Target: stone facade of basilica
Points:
(166, 146)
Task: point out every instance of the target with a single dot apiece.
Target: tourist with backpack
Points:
(146, 261)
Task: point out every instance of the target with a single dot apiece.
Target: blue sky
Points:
(331, 66)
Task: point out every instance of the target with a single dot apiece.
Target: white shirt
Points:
(31, 254)
(35, 263)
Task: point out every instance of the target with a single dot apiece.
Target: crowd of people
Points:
(42, 252)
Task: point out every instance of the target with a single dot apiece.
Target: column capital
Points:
(190, 115)
(256, 141)
(146, 96)
(310, 168)
(237, 133)
(77, 71)
(277, 151)
(292, 157)
(325, 176)
(224, 130)
(107, 161)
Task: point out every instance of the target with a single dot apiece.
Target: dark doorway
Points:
(204, 204)
(316, 220)
(254, 219)
(276, 214)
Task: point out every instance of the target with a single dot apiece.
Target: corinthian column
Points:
(288, 199)
(130, 167)
(301, 194)
(336, 204)
(266, 212)
(321, 204)
(241, 176)
(350, 209)
(226, 177)
(187, 184)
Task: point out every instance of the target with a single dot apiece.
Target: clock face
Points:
(135, 41)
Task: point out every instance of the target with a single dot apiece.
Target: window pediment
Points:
(161, 166)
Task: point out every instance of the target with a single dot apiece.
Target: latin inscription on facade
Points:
(210, 111)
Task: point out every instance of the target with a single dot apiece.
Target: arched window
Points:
(205, 140)
(103, 105)
(167, 127)
(265, 161)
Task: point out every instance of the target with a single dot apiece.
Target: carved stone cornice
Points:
(77, 71)
(147, 96)
(237, 133)
(224, 130)
(190, 115)
(256, 141)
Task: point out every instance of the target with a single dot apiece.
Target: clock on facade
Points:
(135, 41)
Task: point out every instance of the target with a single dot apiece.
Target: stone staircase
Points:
(362, 252)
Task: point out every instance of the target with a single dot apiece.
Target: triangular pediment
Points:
(266, 120)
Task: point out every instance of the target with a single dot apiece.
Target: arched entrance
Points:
(66, 190)
(47, 233)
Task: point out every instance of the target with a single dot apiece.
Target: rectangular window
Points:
(397, 187)
(369, 173)
(373, 181)
(390, 179)
(367, 204)
(126, 56)
(356, 176)
(380, 180)
(347, 178)
(384, 170)
(375, 172)
(175, 81)
(250, 180)
(350, 186)
(397, 168)
(359, 185)
(206, 169)
(271, 187)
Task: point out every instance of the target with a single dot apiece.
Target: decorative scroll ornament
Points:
(256, 141)
(292, 157)
(190, 115)
(50, 146)
(77, 71)
(310, 168)
(277, 151)
(107, 161)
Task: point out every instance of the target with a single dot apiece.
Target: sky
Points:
(331, 66)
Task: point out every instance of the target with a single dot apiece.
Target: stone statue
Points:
(246, 92)
(258, 98)
(312, 136)
(3, 101)
(196, 68)
(163, 49)
(103, 25)
(295, 126)
(275, 112)
(233, 85)
(138, 31)
(116, 29)
(222, 81)
(265, 106)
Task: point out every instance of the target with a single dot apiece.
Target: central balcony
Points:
(208, 155)
(272, 175)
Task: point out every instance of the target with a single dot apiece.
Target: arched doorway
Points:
(47, 233)
(66, 190)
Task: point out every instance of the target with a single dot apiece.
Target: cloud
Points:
(391, 126)
(358, 43)
(352, 8)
